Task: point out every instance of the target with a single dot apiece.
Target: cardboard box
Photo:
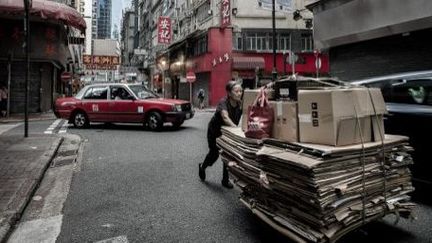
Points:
(285, 125)
(338, 117)
(377, 128)
(249, 96)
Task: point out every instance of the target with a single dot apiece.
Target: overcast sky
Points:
(117, 7)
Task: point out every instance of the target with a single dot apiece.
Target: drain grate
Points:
(63, 160)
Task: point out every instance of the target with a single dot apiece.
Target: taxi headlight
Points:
(176, 108)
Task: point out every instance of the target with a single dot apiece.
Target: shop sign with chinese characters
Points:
(101, 62)
(164, 30)
(225, 13)
(220, 59)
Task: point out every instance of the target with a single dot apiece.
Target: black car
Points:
(408, 98)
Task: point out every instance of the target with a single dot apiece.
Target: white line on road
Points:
(53, 126)
(39, 230)
(118, 239)
(7, 127)
(64, 127)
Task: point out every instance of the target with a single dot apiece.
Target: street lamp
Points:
(163, 67)
(27, 7)
(274, 71)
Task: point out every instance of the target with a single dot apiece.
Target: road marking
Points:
(118, 239)
(64, 127)
(39, 230)
(55, 124)
(7, 127)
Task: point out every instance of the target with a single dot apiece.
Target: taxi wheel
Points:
(154, 121)
(80, 120)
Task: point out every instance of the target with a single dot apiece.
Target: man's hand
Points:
(227, 119)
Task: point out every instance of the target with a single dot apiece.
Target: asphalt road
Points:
(143, 186)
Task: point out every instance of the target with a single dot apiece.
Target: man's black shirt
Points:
(217, 121)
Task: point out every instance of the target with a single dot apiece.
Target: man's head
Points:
(234, 90)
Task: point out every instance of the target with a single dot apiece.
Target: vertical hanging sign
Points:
(225, 13)
(164, 30)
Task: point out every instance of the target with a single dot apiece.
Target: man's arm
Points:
(227, 119)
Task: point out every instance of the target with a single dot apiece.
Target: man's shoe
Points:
(201, 172)
(227, 184)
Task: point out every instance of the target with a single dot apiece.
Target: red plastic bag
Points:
(260, 118)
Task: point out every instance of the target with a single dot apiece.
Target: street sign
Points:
(190, 77)
(140, 52)
(66, 76)
(291, 58)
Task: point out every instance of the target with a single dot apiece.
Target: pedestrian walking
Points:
(3, 101)
(201, 97)
(228, 113)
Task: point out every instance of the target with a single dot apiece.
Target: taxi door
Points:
(95, 104)
(123, 105)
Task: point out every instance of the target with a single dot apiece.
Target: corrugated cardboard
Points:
(378, 127)
(249, 96)
(328, 116)
(285, 125)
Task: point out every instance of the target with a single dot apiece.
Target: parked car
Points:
(128, 103)
(408, 98)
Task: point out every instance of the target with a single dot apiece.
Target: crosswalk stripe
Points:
(64, 127)
(118, 239)
(51, 129)
(7, 127)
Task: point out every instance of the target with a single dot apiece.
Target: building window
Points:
(251, 41)
(199, 46)
(284, 42)
(306, 42)
(262, 41)
(237, 41)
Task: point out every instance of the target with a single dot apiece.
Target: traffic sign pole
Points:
(190, 77)
(190, 92)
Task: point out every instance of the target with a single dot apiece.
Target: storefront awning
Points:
(46, 10)
(248, 63)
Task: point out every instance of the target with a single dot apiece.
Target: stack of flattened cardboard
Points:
(317, 193)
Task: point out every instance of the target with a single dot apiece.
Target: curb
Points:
(7, 227)
(14, 120)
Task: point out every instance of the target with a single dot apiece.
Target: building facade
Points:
(368, 38)
(104, 8)
(217, 50)
(55, 35)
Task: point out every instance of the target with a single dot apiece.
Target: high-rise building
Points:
(104, 19)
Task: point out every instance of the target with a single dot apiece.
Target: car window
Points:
(120, 93)
(96, 93)
(385, 87)
(80, 94)
(413, 92)
(142, 92)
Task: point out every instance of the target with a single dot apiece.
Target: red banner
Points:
(164, 30)
(225, 13)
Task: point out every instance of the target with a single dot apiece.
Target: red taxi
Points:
(128, 103)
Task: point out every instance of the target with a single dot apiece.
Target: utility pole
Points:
(27, 7)
(274, 72)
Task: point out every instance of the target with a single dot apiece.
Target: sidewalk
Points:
(32, 117)
(23, 162)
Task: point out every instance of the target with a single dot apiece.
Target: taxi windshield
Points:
(142, 92)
